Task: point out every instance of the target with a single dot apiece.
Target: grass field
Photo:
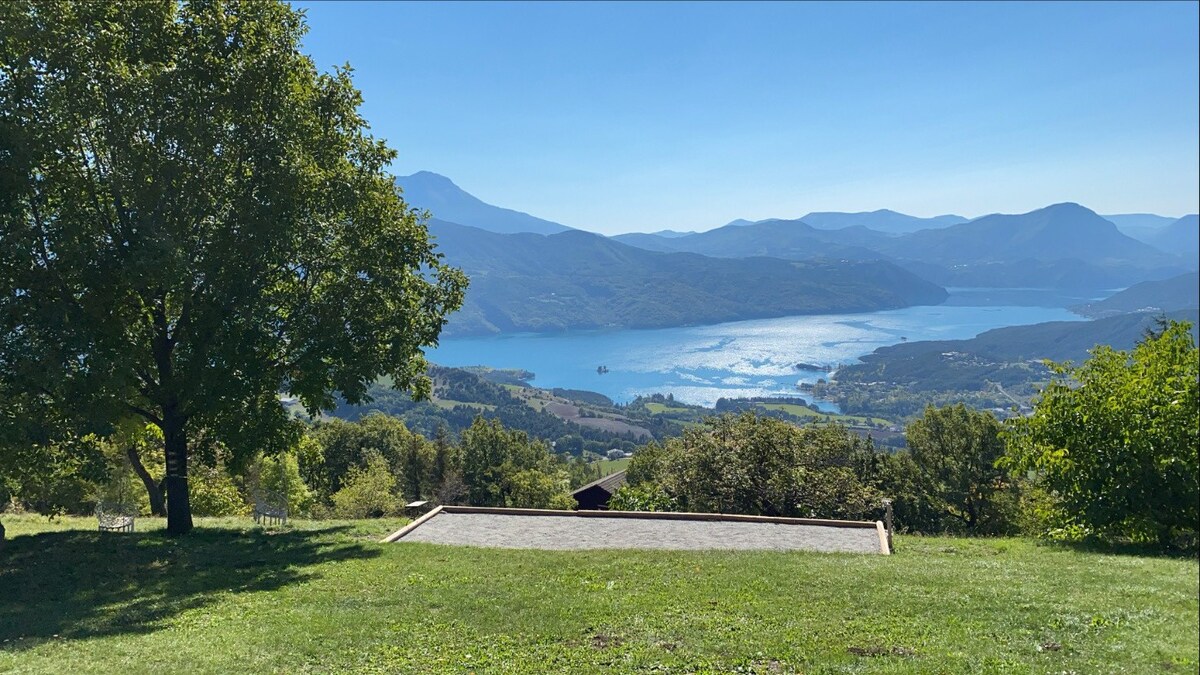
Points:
(608, 466)
(324, 596)
(660, 408)
(802, 411)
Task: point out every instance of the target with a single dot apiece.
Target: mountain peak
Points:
(1068, 207)
(440, 196)
(429, 177)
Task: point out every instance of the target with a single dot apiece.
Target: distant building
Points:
(595, 495)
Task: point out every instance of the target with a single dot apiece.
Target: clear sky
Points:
(645, 116)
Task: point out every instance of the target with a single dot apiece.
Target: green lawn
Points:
(447, 404)
(660, 408)
(322, 597)
(608, 466)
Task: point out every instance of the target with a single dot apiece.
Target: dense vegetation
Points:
(364, 469)
(756, 465)
(1114, 442)
(195, 219)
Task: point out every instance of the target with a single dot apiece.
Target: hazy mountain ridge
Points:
(1063, 245)
(439, 195)
(790, 239)
(1181, 237)
(882, 220)
(1133, 222)
(1059, 231)
(1176, 293)
(576, 280)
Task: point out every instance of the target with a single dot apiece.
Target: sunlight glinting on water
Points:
(700, 364)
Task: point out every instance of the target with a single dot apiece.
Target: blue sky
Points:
(646, 116)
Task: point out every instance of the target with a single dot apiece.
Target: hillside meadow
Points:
(319, 596)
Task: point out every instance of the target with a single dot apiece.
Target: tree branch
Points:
(146, 414)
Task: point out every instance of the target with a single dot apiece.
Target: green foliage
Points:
(641, 497)
(345, 446)
(1115, 439)
(368, 492)
(954, 451)
(281, 474)
(61, 477)
(759, 465)
(534, 489)
(214, 493)
(502, 467)
(193, 219)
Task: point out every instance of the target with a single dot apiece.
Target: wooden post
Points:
(887, 523)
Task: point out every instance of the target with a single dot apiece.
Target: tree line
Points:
(338, 469)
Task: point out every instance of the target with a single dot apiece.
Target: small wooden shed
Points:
(595, 495)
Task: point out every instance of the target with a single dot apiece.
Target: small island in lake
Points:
(813, 366)
(600, 370)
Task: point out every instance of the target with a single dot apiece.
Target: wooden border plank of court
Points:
(661, 515)
(411, 526)
(883, 538)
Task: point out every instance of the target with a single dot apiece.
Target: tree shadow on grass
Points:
(1127, 548)
(87, 584)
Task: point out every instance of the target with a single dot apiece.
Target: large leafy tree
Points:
(954, 451)
(194, 219)
(757, 465)
(1114, 440)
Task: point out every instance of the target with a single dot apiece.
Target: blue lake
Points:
(699, 364)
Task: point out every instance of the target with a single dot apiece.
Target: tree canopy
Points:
(1114, 440)
(755, 465)
(954, 451)
(194, 219)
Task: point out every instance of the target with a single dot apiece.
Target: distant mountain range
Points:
(1133, 222)
(883, 220)
(531, 274)
(1168, 295)
(1064, 245)
(575, 279)
(440, 196)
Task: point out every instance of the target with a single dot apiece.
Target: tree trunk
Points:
(179, 504)
(1, 532)
(157, 506)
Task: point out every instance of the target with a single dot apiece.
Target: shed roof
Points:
(609, 483)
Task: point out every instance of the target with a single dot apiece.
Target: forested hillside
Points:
(998, 368)
(529, 282)
(1181, 292)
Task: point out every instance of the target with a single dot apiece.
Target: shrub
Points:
(367, 492)
(213, 493)
(644, 497)
(281, 474)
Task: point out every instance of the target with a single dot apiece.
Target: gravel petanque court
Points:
(569, 531)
